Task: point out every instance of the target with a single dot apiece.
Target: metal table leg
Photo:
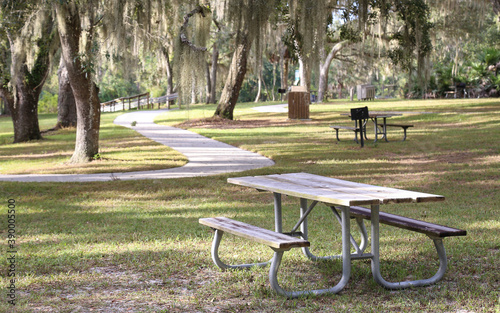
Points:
(379, 131)
(360, 248)
(278, 223)
(385, 129)
(346, 265)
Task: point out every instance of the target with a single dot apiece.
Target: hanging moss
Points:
(190, 52)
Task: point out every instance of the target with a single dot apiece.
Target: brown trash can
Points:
(298, 103)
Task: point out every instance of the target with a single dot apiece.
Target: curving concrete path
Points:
(205, 156)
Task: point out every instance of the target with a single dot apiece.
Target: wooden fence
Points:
(136, 102)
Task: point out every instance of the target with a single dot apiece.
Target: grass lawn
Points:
(121, 150)
(136, 246)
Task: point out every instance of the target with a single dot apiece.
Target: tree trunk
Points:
(23, 108)
(324, 68)
(66, 106)
(274, 82)
(259, 86)
(305, 73)
(235, 78)
(170, 82)
(193, 88)
(284, 71)
(22, 99)
(213, 75)
(24, 111)
(88, 106)
(323, 81)
(209, 84)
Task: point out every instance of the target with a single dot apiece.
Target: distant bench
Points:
(338, 127)
(356, 130)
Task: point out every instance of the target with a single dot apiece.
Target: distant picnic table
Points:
(380, 128)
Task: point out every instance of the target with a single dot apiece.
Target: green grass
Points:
(137, 246)
(121, 150)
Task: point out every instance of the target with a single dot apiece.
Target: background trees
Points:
(27, 43)
(236, 50)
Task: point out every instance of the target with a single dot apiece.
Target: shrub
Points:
(47, 102)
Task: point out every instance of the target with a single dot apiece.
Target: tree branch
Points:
(184, 39)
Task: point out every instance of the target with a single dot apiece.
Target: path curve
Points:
(205, 156)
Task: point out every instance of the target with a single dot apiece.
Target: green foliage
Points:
(413, 39)
(157, 91)
(116, 83)
(489, 56)
(47, 102)
(476, 73)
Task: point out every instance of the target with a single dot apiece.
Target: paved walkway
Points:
(276, 108)
(206, 156)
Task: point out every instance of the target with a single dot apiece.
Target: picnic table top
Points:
(377, 114)
(331, 190)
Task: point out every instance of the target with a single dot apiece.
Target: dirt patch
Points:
(221, 123)
(459, 157)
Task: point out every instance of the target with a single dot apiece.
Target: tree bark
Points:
(209, 84)
(305, 72)
(170, 82)
(25, 112)
(274, 82)
(22, 102)
(235, 78)
(66, 105)
(213, 74)
(259, 87)
(23, 109)
(284, 71)
(84, 89)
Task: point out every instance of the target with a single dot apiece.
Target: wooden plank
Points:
(384, 194)
(409, 223)
(331, 190)
(300, 191)
(345, 127)
(258, 234)
(398, 125)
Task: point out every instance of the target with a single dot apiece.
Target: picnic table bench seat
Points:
(338, 127)
(279, 242)
(403, 126)
(430, 229)
(268, 237)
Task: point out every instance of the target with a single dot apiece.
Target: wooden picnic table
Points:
(379, 128)
(344, 196)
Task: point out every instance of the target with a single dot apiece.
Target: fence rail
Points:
(135, 102)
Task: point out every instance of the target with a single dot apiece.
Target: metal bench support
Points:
(217, 260)
(346, 266)
(375, 264)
